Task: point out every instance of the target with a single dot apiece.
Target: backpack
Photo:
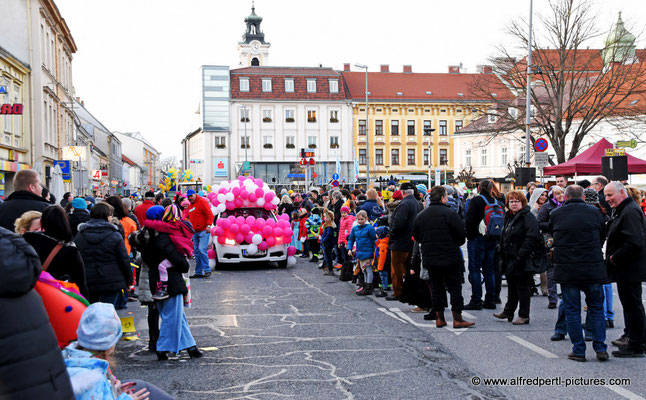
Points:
(493, 221)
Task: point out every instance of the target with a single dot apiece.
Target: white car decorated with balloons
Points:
(246, 228)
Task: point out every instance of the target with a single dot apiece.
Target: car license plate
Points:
(258, 253)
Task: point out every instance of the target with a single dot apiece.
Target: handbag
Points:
(537, 262)
(423, 274)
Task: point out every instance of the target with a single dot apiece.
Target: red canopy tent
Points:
(589, 162)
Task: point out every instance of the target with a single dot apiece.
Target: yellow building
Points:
(408, 115)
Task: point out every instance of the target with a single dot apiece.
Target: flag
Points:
(356, 168)
(338, 164)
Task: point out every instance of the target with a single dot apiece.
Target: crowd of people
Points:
(408, 248)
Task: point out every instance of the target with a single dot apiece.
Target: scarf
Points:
(180, 234)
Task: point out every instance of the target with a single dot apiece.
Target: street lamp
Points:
(246, 139)
(429, 133)
(367, 126)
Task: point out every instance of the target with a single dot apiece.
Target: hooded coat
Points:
(31, 365)
(76, 218)
(365, 238)
(107, 264)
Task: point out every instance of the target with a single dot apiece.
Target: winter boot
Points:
(458, 322)
(367, 289)
(440, 321)
(381, 293)
(162, 291)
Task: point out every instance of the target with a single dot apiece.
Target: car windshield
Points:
(246, 212)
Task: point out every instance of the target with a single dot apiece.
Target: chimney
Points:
(346, 67)
(454, 69)
(385, 68)
(485, 69)
(408, 69)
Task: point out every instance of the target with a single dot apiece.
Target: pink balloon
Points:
(235, 191)
(222, 190)
(283, 224)
(210, 195)
(252, 197)
(215, 201)
(278, 231)
(234, 228)
(228, 235)
(239, 238)
(291, 250)
(244, 195)
(224, 223)
(259, 193)
(287, 239)
(271, 241)
(259, 224)
(250, 220)
(270, 222)
(231, 219)
(231, 205)
(213, 231)
(242, 178)
(251, 177)
(248, 238)
(219, 231)
(244, 229)
(211, 254)
(222, 239)
(269, 196)
(267, 231)
(288, 232)
(263, 246)
(284, 217)
(240, 220)
(238, 202)
(259, 182)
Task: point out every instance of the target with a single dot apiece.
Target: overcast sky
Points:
(138, 62)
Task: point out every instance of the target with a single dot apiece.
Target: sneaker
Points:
(622, 341)
(207, 275)
(551, 306)
(557, 336)
(329, 273)
(162, 292)
(627, 351)
(196, 276)
(381, 293)
(574, 357)
(338, 266)
(473, 306)
(314, 259)
(602, 356)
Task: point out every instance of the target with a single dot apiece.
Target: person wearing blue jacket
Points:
(328, 240)
(364, 237)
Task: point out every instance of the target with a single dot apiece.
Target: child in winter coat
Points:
(344, 231)
(312, 226)
(328, 240)
(382, 258)
(88, 359)
(181, 234)
(296, 219)
(364, 237)
(302, 231)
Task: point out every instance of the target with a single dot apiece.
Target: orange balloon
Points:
(64, 312)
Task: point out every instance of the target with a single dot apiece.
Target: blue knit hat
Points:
(99, 327)
(422, 188)
(155, 213)
(79, 204)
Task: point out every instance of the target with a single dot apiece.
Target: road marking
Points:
(624, 392)
(532, 347)
(383, 310)
(466, 314)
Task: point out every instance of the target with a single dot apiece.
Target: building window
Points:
(467, 158)
(289, 85)
(379, 127)
(244, 84)
(362, 127)
(311, 86)
(334, 142)
(311, 115)
(491, 116)
(427, 128)
(503, 155)
(266, 84)
(426, 157)
(394, 128)
(334, 116)
(244, 115)
(311, 142)
(379, 157)
(411, 128)
(290, 142)
(444, 157)
(443, 128)
(458, 125)
(220, 142)
(362, 157)
(483, 157)
(394, 157)
(289, 116)
(334, 86)
(266, 116)
(411, 156)
(244, 140)
(268, 142)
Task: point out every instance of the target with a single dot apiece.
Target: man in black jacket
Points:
(401, 242)
(440, 232)
(579, 231)
(599, 183)
(626, 263)
(481, 251)
(26, 197)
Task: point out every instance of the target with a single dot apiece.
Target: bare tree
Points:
(574, 88)
(167, 163)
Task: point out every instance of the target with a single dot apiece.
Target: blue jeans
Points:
(607, 304)
(561, 325)
(383, 276)
(596, 324)
(481, 257)
(110, 298)
(201, 243)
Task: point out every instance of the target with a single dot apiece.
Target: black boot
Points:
(381, 293)
(367, 289)
(162, 355)
(194, 352)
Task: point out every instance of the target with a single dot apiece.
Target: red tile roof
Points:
(414, 86)
(127, 160)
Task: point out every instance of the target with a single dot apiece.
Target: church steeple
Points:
(254, 50)
(620, 45)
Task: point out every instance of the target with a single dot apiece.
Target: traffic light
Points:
(312, 162)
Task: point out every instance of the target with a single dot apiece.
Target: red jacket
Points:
(346, 228)
(200, 215)
(140, 212)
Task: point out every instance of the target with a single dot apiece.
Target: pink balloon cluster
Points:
(243, 192)
(263, 233)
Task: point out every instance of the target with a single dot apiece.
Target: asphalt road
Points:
(272, 333)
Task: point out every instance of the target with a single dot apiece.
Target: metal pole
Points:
(528, 100)
(246, 139)
(367, 137)
(307, 177)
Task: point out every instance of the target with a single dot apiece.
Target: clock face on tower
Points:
(255, 47)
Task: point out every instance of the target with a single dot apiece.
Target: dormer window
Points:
(244, 84)
(266, 84)
(311, 86)
(334, 85)
(289, 85)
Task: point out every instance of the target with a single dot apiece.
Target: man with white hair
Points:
(626, 263)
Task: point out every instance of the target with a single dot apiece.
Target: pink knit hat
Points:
(345, 209)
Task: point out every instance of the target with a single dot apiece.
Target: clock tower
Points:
(253, 49)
